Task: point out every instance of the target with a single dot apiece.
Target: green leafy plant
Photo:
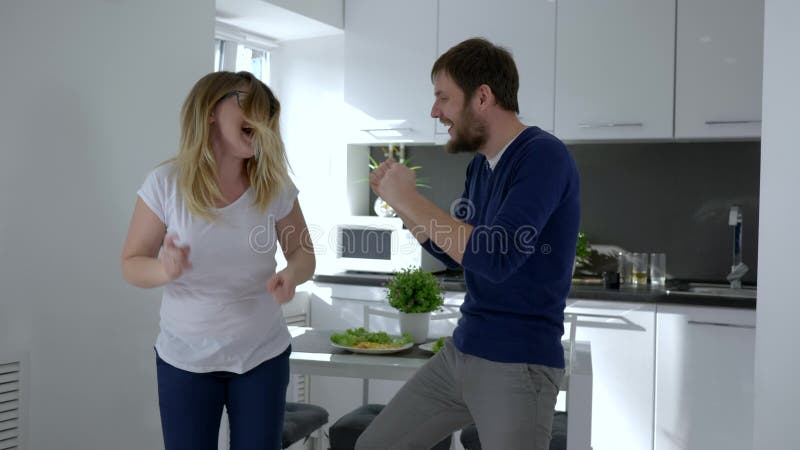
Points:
(420, 181)
(582, 249)
(414, 291)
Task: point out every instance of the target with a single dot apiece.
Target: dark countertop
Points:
(586, 290)
(449, 282)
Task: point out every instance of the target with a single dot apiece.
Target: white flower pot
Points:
(416, 325)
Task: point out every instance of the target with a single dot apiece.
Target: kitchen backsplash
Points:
(649, 197)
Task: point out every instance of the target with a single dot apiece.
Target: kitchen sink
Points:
(713, 289)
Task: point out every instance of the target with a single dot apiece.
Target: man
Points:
(514, 233)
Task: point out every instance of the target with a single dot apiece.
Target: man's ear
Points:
(485, 96)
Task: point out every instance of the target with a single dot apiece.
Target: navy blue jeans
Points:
(191, 405)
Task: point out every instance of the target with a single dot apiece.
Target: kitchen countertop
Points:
(581, 289)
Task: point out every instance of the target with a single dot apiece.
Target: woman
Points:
(205, 227)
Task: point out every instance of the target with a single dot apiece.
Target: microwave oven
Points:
(381, 245)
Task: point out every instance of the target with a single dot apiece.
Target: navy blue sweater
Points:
(518, 260)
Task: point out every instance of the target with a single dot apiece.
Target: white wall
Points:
(308, 77)
(326, 11)
(91, 92)
(777, 389)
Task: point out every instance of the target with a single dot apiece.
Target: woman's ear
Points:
(212, 118)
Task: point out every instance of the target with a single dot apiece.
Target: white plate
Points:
(374, 351)
(428, 346)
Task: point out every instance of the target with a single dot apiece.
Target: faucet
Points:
(738, 268)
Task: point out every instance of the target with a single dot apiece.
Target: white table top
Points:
(312, 354)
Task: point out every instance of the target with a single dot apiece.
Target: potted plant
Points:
(415, 294)
(582, 252)
(381, 208)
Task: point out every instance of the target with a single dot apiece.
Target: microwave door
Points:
(366, 249)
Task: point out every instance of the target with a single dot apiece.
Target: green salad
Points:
(361, 338)
(438, 345)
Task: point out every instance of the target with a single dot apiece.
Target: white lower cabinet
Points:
(622, 336)
(704, 378)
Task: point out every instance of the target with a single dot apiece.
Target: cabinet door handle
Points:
(610, 124)
(731, 122)
(386, 129)
(382, 133)
(353, 299)
(720, 324)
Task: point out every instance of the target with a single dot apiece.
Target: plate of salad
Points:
(359, 340)
(433, 346)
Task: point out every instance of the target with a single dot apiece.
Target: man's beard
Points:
(470, 134)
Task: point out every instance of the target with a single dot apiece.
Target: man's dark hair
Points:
(477, 61)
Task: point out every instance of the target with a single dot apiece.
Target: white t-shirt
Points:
(218, 315)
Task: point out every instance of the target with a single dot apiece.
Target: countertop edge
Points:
(582, 292)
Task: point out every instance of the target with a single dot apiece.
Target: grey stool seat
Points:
(300, 420)
(345, 432)
(558, 436)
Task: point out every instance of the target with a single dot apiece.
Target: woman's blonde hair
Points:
(267, 170)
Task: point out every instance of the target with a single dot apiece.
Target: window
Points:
(254, 61)
(218, 54)
(233, 56)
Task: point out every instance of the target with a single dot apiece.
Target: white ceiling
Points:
(265, 19)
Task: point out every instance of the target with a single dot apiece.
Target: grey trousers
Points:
(511, 405)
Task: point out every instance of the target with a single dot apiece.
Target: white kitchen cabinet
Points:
(704, 378)
(390, 47)
(719, 69)
(615, 69)
(622, 338)
(524, 27)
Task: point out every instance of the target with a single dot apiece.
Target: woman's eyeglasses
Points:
(241, 98)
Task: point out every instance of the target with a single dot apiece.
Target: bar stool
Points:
(300, 421)
(345, 432)
(558, 435)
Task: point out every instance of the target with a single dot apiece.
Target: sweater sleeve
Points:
(536, 186)
(440, 254)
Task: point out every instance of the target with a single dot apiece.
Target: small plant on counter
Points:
(420, 181)
(415, 291)
(582, 250)
(381, 208)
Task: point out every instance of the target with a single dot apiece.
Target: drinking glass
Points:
(639, 264)
(658, 269)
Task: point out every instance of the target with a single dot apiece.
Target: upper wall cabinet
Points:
(527, 29)
(390, 47)
(615, 69)
(719, 69)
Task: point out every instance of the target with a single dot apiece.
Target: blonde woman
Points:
(205, 227)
